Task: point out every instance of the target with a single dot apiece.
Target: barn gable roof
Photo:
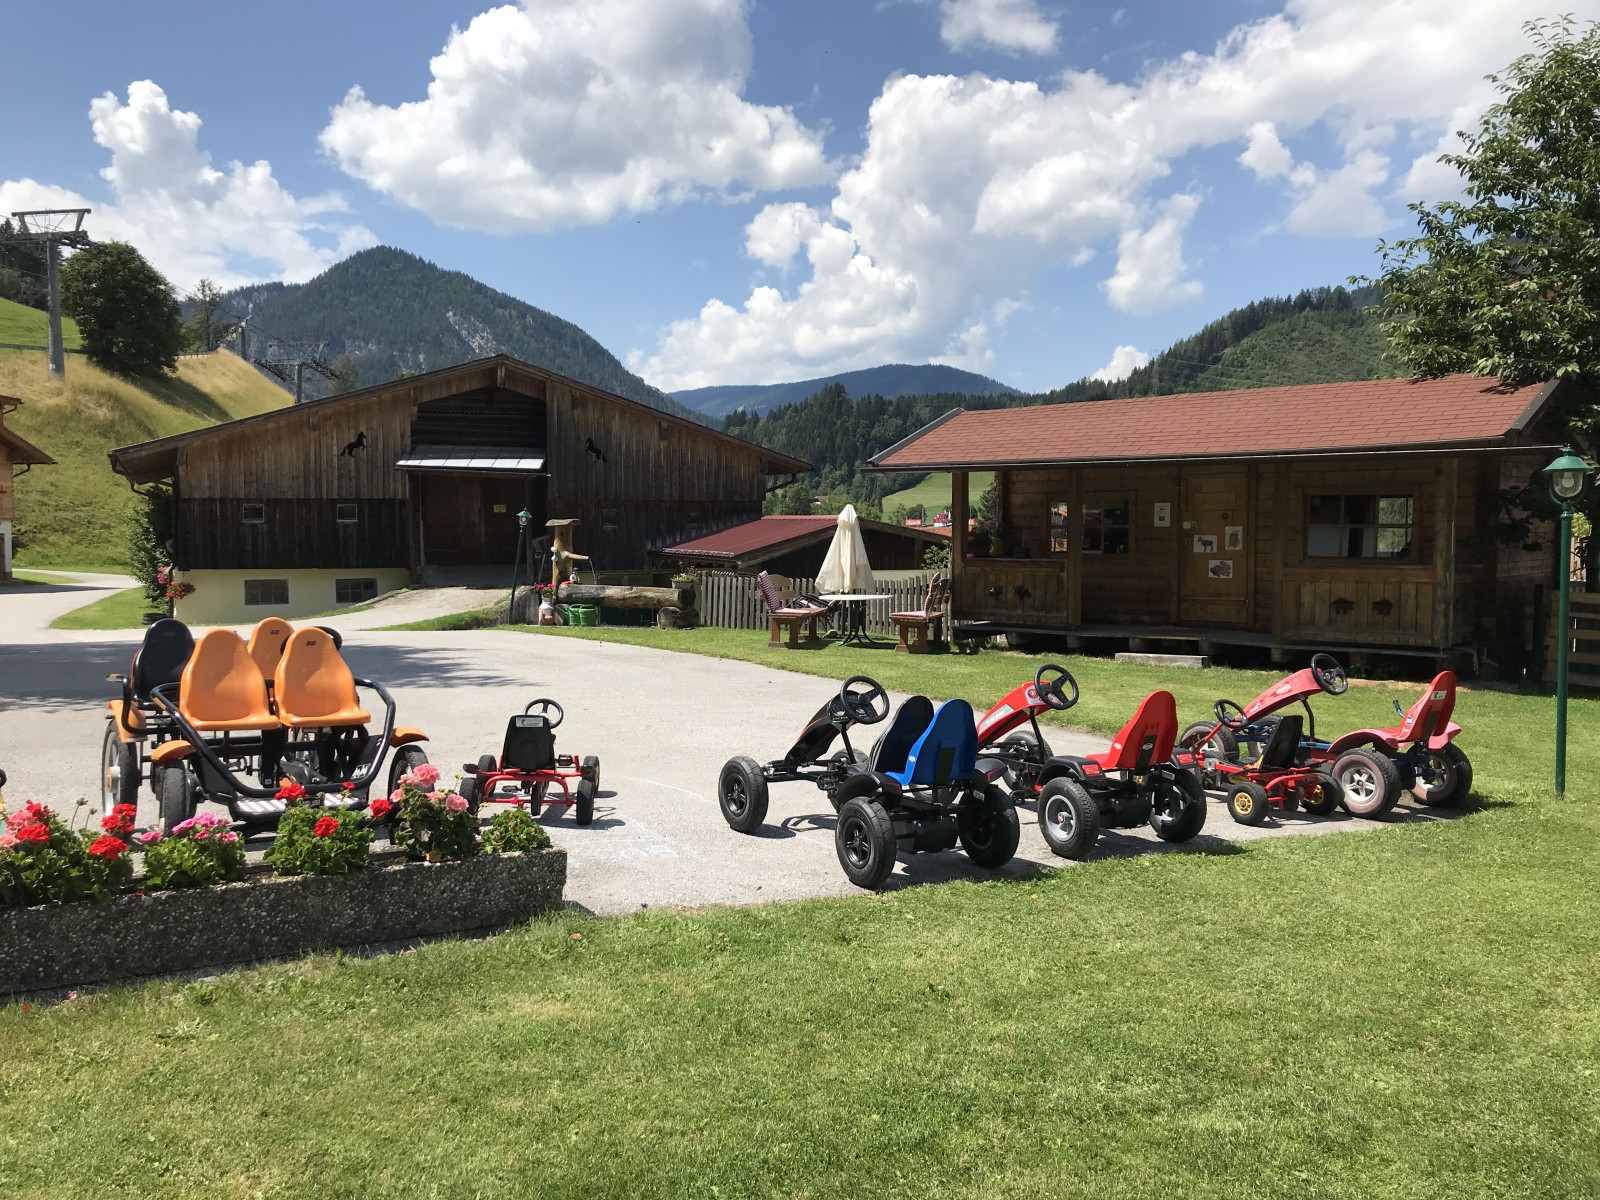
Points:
(767, 537)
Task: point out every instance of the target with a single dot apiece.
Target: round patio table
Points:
(855, 612)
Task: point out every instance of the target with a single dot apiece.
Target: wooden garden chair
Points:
(784, 611)
(929, 618)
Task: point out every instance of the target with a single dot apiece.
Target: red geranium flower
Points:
(108, 847)
(120, 820)
(291, 791)
(325, 827)
(381, 808)
(37, 832)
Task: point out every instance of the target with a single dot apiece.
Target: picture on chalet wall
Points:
(1220, 568)
(1163, 515)
(1233, 537)
(1205, 543)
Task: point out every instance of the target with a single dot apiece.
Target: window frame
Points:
(260, 509)
(271, 602)
(1376, 525)
(369, 589)
(1058, 533)
(339, 509)
(1100, 505)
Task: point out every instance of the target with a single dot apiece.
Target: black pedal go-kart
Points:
(528, 766)
(918, 792)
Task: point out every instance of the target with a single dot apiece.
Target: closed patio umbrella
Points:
(845, 567)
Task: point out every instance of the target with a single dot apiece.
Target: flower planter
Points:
(162, 932)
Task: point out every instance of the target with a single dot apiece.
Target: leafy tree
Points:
(130, 322)
(22, 270)
(345, 376)
(793, 501)
(1506, 281)
(151, 526)
(204, 331)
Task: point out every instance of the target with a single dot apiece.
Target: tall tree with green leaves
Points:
(345, 375)
(129, 319)
(1506, 280)
(208, 327)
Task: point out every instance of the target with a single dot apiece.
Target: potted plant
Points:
(687, 581)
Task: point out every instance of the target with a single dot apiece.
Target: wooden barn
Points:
(795, 546)
(1345, 516)
(15, 451)
(420, 480)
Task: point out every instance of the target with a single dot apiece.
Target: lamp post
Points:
(1567, 476)
(523, 518)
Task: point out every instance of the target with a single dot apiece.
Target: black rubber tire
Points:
(1221, 744)
(402, 762)
(1369, 780)
(1042, 753)
(472, 785)
(865, 842)
(1068, 818)
(1180, 790)
(1454, 770)
(742, 794)
(987, 824)
(119, 771)
(175, 799)
(1247, 803)
(583, 802)
(1330, 794)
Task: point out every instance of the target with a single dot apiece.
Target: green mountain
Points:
(393, 312)
(1327, 346)
(897, 379)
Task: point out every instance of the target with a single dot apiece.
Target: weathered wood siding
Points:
(295, 533)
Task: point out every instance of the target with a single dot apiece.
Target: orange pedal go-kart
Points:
(528, 765)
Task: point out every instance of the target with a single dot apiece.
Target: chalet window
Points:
(266, 591)
(1106, 526)
(1359, 526)
(253, 514)
(608, 518)
(1060, 537)
(354, 591)
(345, 514)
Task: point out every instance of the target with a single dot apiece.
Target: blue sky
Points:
(724, 191)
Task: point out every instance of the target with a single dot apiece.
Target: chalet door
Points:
(471, 520)
(1214, 577)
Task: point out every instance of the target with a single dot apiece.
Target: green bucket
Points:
(582, 614)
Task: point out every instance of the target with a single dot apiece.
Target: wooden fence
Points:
(730, 601)
(1583, 657)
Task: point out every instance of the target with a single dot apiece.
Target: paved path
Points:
(662, 724)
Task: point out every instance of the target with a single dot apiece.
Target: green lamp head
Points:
(1567, 475)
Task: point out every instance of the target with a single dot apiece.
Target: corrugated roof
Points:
(754, 535)
(1308, 419)
(473, 460)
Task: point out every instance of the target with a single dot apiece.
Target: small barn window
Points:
(1359, 526)
(266, 591)
(608, 518)
(1107, 528)
(253, 514)
(1060, 535)
(345, 514)
(354, 591)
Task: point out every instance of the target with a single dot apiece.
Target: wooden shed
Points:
(420, 480)
(15, 451)
(1334, 516)
(795, 546)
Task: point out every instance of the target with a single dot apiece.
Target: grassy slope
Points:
(934, 491)
(1313, 347)
(119, 610)
(74, 513)
(24, 326)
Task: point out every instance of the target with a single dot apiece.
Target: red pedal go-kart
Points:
(920, 791)
(528, 765)
(1279, 775)
(1009, 731)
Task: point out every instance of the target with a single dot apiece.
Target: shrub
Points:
(199, 852)
(512, 831)
(430, 823)
(44, 862)
(319, 841)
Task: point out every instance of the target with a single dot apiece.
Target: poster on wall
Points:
(1163, 515)
(1205, 543)
(1220, 568)
(1233, 537)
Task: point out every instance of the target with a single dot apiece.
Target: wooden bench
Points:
(785, 612)
(928, 619)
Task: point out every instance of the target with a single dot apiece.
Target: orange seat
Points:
(313, 684)
(267, 641)
(222, 689)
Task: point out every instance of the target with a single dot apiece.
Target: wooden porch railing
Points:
(1583, 658)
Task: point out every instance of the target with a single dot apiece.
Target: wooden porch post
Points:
(1446, 478)
(1283, 517)
(1073, 590)
(958, 540)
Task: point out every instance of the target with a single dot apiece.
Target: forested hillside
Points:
(393, 312)
(898, 379)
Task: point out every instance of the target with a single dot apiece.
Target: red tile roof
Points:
(1308, 419)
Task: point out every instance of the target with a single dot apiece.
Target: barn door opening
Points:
(471, 520)
(1214, 578)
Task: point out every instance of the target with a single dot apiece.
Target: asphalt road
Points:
(662, 724)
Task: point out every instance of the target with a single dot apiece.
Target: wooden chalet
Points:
(796, 545)
(15, 451)
(1346, 516)
(421, 479)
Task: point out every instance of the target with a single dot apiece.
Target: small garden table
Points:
(855, 610)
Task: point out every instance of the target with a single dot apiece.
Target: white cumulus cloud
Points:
(1339, 203)
(1125, 360)
(1149, 274)
(190, 219)
(1010, 25)
(568, 112)
(1266, 156)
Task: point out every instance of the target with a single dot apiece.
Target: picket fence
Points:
(730, 601)
(1583, 646)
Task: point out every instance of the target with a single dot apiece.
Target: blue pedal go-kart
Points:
(919, 790)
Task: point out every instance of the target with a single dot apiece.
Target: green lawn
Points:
(24, 326)
(1410, 1013)
(472, 618)
(38, 577)
(934, 492)
(120, 610)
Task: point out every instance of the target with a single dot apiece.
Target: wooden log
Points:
(618, 596)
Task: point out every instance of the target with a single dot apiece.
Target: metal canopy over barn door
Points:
(1214, 576)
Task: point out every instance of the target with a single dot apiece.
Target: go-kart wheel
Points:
(119, 771)
(1214, 743)
(1369, 780)
(588, 788)
(1330, 676)
(1230, 715)
(1327, 796)
(545, 705)
(742, 793)
(472, 789)
(1052, 683)
(1038, 752)
(1068, 818)
(1247, 803)
(986, 822)
(1451, 772)
(175, 799)
(864, 839)
(866, 706)
(1178, 805)
(405, 760)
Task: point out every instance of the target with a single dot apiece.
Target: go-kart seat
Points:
(1282, 750)
(947, 750)
(313, 685)
(908, 726)
(267, 641)
(221, 690)
(1428, 718)
(530, 744)
(167, 647)
(1146, 739)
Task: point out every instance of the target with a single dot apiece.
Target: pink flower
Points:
(229, 836)
(151, 838)
(436, 796)
(183, 826)
(202, 834)
(7, 840)
(426, 775)
(457, 803)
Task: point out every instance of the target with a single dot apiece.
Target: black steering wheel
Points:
(866, 706)
(1230, 714)
(545, 705)
(1051, 682)
(1329, 674)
